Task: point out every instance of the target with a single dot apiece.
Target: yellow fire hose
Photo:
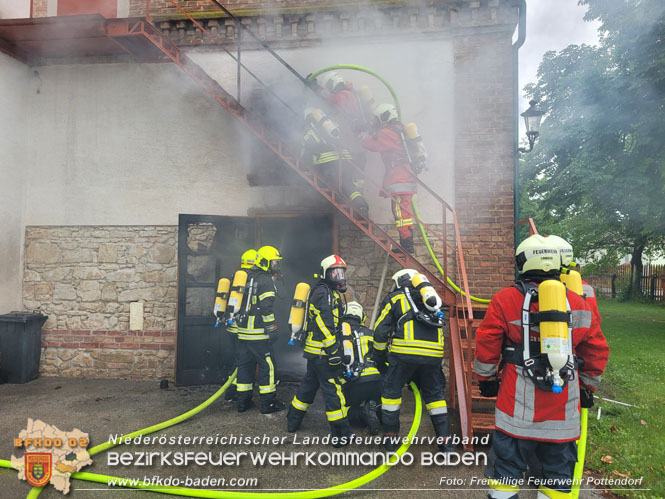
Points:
(581, 453)
(413, 200)
(180, 491)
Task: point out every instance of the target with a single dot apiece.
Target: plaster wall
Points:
(15, 79)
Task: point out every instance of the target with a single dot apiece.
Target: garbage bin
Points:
(20, 346)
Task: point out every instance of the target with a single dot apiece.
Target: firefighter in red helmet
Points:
(538, 406)
(324, 354)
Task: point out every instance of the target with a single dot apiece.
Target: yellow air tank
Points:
(221, 299)
(554, 340)
(297, 314)
(347, 345)
(237, 292)
(573, 281)
(416, 146)
(429, 295)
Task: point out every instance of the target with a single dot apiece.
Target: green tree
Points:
(597, 175)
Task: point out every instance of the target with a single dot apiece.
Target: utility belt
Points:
(536, 366)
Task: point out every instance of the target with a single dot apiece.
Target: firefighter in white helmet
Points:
(408, 345)
(530, 416)
(363, 382)
(255, 326)
(399, 182)
(324, 149)
(323, 352)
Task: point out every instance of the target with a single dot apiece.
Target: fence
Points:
(612, 284)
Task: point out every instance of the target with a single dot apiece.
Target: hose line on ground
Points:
(214, 494)
(581, 453)
(413, 200)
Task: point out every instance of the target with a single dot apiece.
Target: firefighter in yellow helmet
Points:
(246, 263)
(323, 149)
(324, 353)
(408, 345)
(256, 326)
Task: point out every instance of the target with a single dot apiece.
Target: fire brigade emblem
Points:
(38, 468)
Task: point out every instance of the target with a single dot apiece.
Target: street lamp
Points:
(532, 117)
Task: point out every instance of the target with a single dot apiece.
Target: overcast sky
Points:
(551, 25)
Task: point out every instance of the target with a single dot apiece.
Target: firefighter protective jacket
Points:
(323, 321)
(413, 341)
(316, 151)
(590, 297)
(522, 410)
(363, 340)
(257, 306)
(388, 142)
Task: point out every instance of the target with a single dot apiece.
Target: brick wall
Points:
(84, 278)
(484, 157)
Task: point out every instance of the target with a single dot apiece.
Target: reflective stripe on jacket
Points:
(259, 313)
(409, 338)
(323, 321)
(522, 410)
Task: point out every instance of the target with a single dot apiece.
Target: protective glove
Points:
(586, 398)
(381, 363)
(489, 387)
(271, 328)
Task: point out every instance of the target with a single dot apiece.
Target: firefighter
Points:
(324, 353)
(363, 382)
(399, 180)
(246, 262)
(322, 148)
(530, 416)
(352, 111)
(255, 326)
(409, 339)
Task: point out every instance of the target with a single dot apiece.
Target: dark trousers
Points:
(320, 375)
(249, 355)
(353, 185)
(358, 393)
(430, 381)
(509, 456)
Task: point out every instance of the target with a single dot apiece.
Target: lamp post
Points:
(532, 117)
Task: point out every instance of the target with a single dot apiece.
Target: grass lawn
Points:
(634, 437)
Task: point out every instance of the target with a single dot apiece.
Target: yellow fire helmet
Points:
(537, 253)
(267, 258)
(247, 259)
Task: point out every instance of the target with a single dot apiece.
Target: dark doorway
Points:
(209, 247)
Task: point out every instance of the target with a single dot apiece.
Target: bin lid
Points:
(22, 317)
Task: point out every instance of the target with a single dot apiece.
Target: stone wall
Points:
(84, 278)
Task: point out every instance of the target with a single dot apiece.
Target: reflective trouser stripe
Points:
(301, 406)
(502, 491)
(546, 492)
(341, 413)
(245, 387)
(355, 195)
(391, 404)
(438, 407)
(271, 387)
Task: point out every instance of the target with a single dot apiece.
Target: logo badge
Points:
(38, 468)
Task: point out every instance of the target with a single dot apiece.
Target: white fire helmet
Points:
(402, 276)
(537, 253)
(332, 81)
(386, 113)
(565, 249)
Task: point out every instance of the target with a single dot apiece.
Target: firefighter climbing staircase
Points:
(137, 36)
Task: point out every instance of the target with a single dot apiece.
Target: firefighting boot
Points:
(360, 204)
(407, 244)
(372, 417)
(440, 423)
(355, 416)
(231, 393)
(273, 406)
(340, 432)
(294, 419)
(245, 402)
(390, 441)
